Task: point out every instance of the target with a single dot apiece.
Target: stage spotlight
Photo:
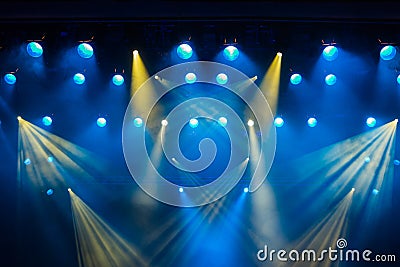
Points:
(388, 52)
(222, 78)
(250, 123)
(34, 49)
(367, 159)
(396, 162)
(19, 118)
(279, 54)
(398, 79)
(330, 79)
(353, 189)
(47, 121)
(27, 161)
(164, 122)
(296, 79)
(222, 121)
(312, 122)
(184, 51)
(10, 78)
(85, 50)
(330, 53)
(135, 53)
(50, 159)
(231, 53)
(50, 192)
(118, 80)
(278, 122)
(69, 190)
(101, 122)
(246, 189)
(193, 123)
(370, 122)
(375, 192)
(190, 78)
(79, 78)
(180, 190)
(138, 122)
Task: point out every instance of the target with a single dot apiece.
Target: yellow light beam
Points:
(98, 244)
(270, 83)
(139, 72)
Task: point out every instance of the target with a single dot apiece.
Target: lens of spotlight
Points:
(180, 190)
(279, 122)
(184, 51)
(222, 78)
(367, 159)
(101, 122)
(34, 49)
(10, 78)
(312, 122)
(79, 78)
(398, 79)
(50, 159)
(388, 52)
(231, 53)
(118, 80)
(246, 189)
(250, 123)
(27, 161)
(330, 53)
(193, 123)
(396, 162)
(85, 50)
(371, 122)
(190, 78)
(138, 122)
(50, 192)
(222, 121)
(375, 192)
(330, 79)
(296, 79)
(164, 122)
(47, 121)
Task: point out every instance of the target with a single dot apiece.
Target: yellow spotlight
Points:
(69, 190)
(139, 72)
(135, 53)
(19, 118)
(270, 83)
(353, 189)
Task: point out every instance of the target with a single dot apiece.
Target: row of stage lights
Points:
(194, 123)
(185, 52)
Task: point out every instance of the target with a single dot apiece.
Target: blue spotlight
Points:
(180, 190)
(370, 122)
(312, 122)
(190, 78)
(246, 189)
(50, 159)
(330, 53)
(278, 122)
(50, 192)
(296, 79)
(118, 80)
(10, 78)
(222, 121)
(101, 122)
(184, 51)
(367, 159)
(47, 121)
(222, 78)
(85, 50)
(79, 78)
(398, 79)
(193, 123)
(27, 161)
(388, 52)
(330, 79)
(138, 122)
(375, 192)
(231, 53)
(34, 49)
(396, 162)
